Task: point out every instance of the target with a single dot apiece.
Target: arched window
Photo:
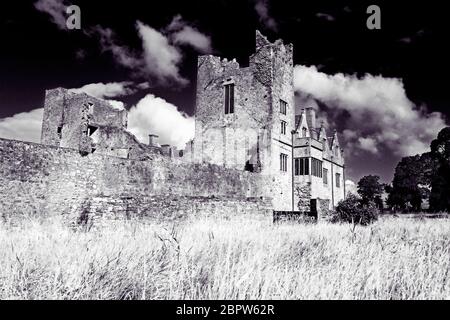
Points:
(304, 132)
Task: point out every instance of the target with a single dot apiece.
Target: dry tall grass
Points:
(218, 259)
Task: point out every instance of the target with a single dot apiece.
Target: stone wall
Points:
(120, 143)
(302, 200)
(324, 213)
(67, 116)
(45, 180)
(79, 121)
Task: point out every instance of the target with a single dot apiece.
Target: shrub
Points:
(354, 210)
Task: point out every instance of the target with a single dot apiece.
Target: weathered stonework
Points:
(88, 124)
(248, 138)
(89, 167)
(324, 214)
(303, 195)
(253, 138)
(38, 179)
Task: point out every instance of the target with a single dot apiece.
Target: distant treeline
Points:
(418, 180)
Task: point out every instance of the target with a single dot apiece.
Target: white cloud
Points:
(56, 9)
(25, 126)
(325, 16)
(182, 33)
(106, 90)
(161, 58)
(368, 144)
(143, 85)
(122, 54)
(161, 54)
(262, 9)
(406, 40)
(350, 187)
(119, 105)
(349, 134)
(157, 116)
(150, 115)
(375, 110)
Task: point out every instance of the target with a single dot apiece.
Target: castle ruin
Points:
(254, 150)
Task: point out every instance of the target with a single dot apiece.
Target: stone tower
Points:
(245, 115)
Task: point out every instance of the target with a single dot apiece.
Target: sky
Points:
(384, 91)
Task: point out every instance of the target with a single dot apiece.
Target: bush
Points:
(354, 210)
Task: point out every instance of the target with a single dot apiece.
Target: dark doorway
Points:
(91, 130)
(249, 166)
(313, 206)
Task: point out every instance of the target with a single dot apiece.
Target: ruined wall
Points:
(68, 116)
(44, 180)
(120, 143)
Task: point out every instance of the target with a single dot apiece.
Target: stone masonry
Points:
(254, 151)
(266, 132)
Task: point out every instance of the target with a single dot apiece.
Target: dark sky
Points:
(412, 45)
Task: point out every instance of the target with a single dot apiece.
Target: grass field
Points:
(226, 259)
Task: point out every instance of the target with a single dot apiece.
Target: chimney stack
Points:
(166, 149)
(311, 118)
(175, 152)
(152, 140)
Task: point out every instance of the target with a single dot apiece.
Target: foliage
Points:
(421, 177)
(412, 181)
(440, 186)
(356, 210)
(370, 189)
(440, 147)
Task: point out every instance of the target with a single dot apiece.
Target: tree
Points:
(412, 182)
(355, 210)
(440, 185)
(421, 177)
(370, 190)
(440, 147)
